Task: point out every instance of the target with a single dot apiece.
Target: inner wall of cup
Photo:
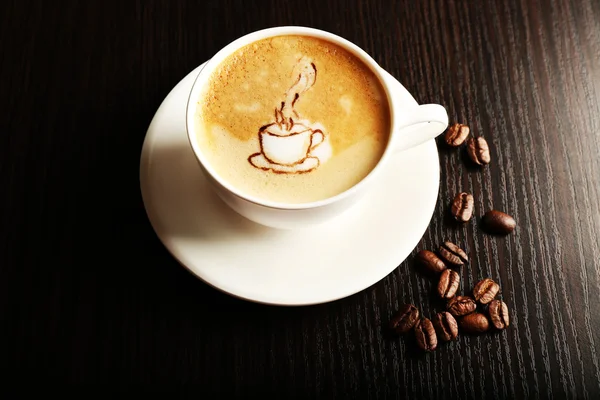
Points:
(194, 108)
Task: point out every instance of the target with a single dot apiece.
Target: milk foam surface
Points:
(292, 119)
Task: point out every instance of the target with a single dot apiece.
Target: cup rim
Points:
(205, 73)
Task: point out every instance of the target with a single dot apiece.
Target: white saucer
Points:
(239, 257)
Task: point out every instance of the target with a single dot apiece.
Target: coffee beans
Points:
(493, 221)
(404, 319)
(461, 305)
(485, 291)
(430, 262)
(474, 323)
(425, 334)
(477, 147)
(462, 207)
(482, 311)
(478, 150)
(498, 311)
(448, 284)
(456, 135)
(463, 313)
(445, 326)
(498, 222)
(452, 254)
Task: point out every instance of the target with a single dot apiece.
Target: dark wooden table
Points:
(88, 294)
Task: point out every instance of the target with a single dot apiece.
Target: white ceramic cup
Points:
(411, 125)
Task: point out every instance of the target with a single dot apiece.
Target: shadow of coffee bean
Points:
(413, 351)
(387, 333)
(445, 149)
(467, 162)
(450, 222)
(482, 308)
(435, 301)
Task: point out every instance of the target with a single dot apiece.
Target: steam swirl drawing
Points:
(291, 144)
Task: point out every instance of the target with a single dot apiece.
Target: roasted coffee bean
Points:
(498, 311)
(448, 284)
(485, 290)
(452, 254)
(445, 326)
(430, 262)
(425, 333)
(462, 207)
(461, 305)
(498, 222)
(478, 150)
(456, 135)
(474, 323)
(404, 319)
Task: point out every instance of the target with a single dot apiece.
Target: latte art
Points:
(293, 119)
(286, 146)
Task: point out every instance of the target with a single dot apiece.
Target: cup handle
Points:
(314, 143)
(416, 124)
(419, 125)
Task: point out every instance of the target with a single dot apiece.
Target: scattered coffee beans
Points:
(498, 311)
(430, 262)
(461, 305)
(462, 207)
(474, 323)
(498, 222)
(425, 333)
(478, 151)
(448, 284)
(456, 135)
(404, 319)
(446, 326)
(485, 291)
(452, 254)
(464, 308)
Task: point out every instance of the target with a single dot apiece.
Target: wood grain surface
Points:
(89, 295)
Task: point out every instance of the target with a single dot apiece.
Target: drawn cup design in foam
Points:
(289, 146)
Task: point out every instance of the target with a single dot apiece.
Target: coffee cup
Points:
(410, 125)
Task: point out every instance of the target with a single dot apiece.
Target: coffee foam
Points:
(319, 132)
